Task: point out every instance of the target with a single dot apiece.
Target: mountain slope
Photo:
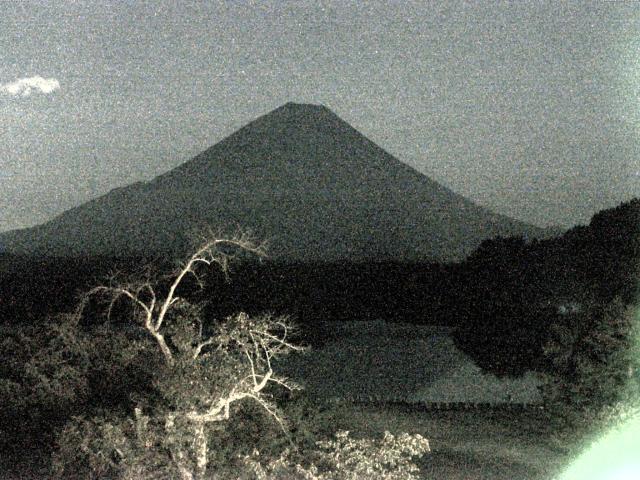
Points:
(299, 177)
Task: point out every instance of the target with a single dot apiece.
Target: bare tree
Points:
(204, 374)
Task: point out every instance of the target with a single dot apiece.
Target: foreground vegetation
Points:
(188, 399)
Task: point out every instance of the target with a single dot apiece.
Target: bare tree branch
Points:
(243, 348)
(208, 253)
(201, 345)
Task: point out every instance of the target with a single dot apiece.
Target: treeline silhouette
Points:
(514, 294)
(32, 289)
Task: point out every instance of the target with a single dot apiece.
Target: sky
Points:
(530, 109)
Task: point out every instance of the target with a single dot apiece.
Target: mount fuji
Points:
(299, 177)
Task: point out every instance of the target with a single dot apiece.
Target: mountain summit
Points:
(299, 177)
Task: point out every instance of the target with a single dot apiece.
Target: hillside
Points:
(299, 177)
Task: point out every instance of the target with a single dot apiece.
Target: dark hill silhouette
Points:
(301, 178)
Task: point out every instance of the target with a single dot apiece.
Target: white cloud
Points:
(23, 87)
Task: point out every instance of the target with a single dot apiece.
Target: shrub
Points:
(345, 458)
(591, 369)
(589, 358)
(43, 379)
(53, 370)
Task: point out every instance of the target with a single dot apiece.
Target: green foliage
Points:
(121, 365)
(345, 458)
(110, 446)
(48, 362)
(123, 447)
(614, 250)
(96, 448)
(589, 356)
(147, 442)
(311, 418)
(501, 306)
(43, 379)
(592, 371)
(84, 449)
(55, 369)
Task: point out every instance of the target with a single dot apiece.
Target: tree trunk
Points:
(176, 452)
(168, 356)
(201, 450)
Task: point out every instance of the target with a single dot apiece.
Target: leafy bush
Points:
(512, 328)
(311, 419)
(592, 368)
(345, 458)
(590, 357)
(117, 447)
(56, 369)
(43, 379)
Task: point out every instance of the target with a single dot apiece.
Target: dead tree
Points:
(205, 374)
